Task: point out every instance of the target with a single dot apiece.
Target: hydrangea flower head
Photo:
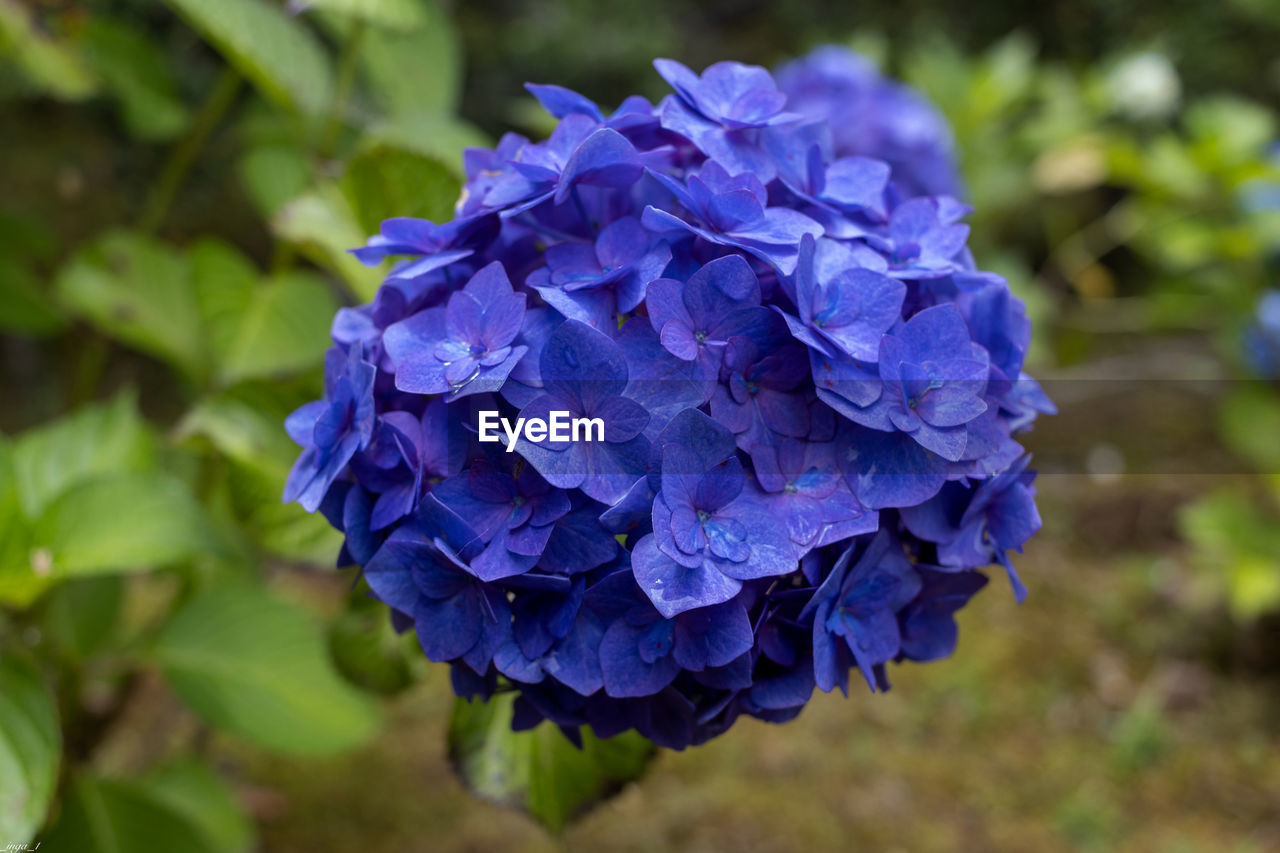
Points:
(794, 406)
(872, 116)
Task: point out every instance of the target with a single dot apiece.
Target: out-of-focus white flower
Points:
(1145, 85)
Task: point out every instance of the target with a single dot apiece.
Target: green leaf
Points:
(108, 816)
(18, 585)
(284, 329)
(443, 138)
(139, 291)
(254, 665)
(120, 522)
(24, 307)
(132, 67)
(1254, 587)
(259, 328)
(30, 749)
(1250, 419)
(245, 424)
(194, 791)
(290, 532)
(224, 281)
(539, 770)
(366, 648)
(241, 431)
(324, 226)
(382, 182)
(419, 72)
(393, 14)
(276, 52)
(273, 174)
(1236, 542)
(1230, 130)
(80, 616)
(52, 66)
(95, 440)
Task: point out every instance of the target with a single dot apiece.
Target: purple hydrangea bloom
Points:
(464, 347)
(621, 262)
(732, 211)
(872, 116)
(722, 111)
(332, 430)
(980, 525)
(696, 319)
(641, 651)
(692, 409)
(855, 612)
(932, 380)
(584, 373)
(512, 512)
(842, 307)
(710, 531)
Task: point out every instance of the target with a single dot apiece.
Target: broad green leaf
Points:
(254, 665)
(109, 816)
(50, 65)
(30, 749)
(25, 233)
(324, 226)
(283, 58)
(120, 522)
(19, 586)
(382, 182)
(443, 138)
(273, 174)
(539, 770)
(1254, 586)
(259, 328)
(193, 790)
(243, 433)
(1229, 130)
(366, 648)
(419, 72)
(100, 439)
(1250, 420)
(284, 329)
(224, 281)
(139, 291)
(1237, 542)
(393, 14)
(24, 307)
(245, 424)
(132, 67)
(290, 532)
(81, 615)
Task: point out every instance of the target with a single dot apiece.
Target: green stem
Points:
(166, 187)
(347, 64)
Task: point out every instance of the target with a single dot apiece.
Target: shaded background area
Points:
(1133, 703)
(604, 48)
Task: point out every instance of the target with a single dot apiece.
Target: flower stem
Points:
(166, 187)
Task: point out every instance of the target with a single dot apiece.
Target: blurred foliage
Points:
(183, 182)
(1119, 207)
(156, 490)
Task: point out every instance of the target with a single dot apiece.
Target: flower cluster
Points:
(872, 116)
(807, 398)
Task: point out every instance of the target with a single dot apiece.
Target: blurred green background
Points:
(183, 670)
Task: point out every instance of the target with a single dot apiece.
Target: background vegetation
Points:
(182, 669)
